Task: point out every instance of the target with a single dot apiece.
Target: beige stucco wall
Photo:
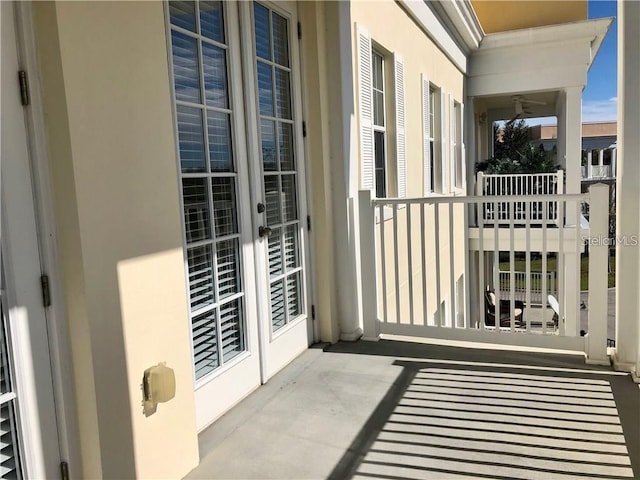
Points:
(501, 16)
(420, 56)
(109, 125)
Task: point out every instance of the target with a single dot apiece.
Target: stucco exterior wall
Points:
(501, 16)
(109, 125)
(420, 56)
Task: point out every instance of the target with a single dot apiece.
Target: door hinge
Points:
(309, 222)
(313, 312)
(304, 129)
(24, 88)
(64, 470)
(46, 293)
(299, 30)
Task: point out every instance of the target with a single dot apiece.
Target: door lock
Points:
(261, 207)
(264, 231)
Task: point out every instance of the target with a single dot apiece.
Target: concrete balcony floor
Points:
(397, 410)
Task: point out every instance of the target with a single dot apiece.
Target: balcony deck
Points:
(393, 409)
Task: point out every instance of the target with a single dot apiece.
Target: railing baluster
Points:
(481, 276)
(452, 272)
(512, 267)
(436, 232)
(395, 260)
(383, 262)
(424, 266)
(528, 264)
(496, 268)
(410, 262)
(545, 205)
(559, 287)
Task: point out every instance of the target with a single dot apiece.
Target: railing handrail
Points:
(569, 197)
(549, 174)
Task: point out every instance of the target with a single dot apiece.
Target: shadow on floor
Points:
(458, 412)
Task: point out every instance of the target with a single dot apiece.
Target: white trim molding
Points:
(433, 27)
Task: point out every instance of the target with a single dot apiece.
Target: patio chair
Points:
(555, 306)
(504, 311)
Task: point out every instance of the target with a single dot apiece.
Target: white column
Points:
(589, 166)
(627, 355)
(601, 157)
(345, 160)
(572, 129)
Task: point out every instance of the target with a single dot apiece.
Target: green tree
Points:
(514, 152)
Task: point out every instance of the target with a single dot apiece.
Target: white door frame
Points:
(60, 351)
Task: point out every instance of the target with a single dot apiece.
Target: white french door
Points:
(241, 168)
(28, 429)
(271, 63)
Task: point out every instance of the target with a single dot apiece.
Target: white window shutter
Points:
(426, 136)
(443, 141)
(463, 151)
(452, 144)
(401, 160)
(367, 173)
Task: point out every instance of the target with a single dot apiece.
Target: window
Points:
(457, 146)
(379, 122)
(437, 172)
(381, 108)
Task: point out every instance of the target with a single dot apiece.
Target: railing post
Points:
(596, 340)
(369, 275)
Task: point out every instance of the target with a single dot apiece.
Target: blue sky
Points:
(599, 98)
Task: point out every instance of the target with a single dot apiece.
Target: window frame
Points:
(380, 129)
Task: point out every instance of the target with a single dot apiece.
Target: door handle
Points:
(264, 231)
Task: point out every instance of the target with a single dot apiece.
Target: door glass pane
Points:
(220, 150)
(186, 75)
(228, 268)
(200, 276)
(196, 209)
(265, 89)
(289, 201)
(278, 319)
(285, 144)
(232, 329)
(268, 141)
(275, 253)
(291, 247)
(205, 345)
(272, 197)
(262, 31)
(224, 205)
(10, 458)
(212, 20)
(283, 94)
(215, 75)
(294, 301)
(182, 14)
(280, 41)
(191, 139)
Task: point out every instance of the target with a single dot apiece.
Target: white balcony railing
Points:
(596, 171)
(515, 185)
(426, 273)
(536, 296)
